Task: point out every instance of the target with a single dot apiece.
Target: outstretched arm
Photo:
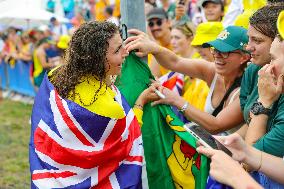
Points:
(228, 118)
(197, 68)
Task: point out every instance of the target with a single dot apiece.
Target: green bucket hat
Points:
(230, 39)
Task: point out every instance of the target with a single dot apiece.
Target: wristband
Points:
(184, 107)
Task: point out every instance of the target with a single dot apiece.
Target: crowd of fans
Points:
(218, 92)
(162, 16)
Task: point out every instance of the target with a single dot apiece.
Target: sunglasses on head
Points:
(158, 22)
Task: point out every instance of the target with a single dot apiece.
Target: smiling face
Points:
(277, 57)
(159, 27)
(259, 46)
(213, 11)
(115, 55)
(231, 64)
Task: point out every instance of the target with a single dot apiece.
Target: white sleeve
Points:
(235, 9)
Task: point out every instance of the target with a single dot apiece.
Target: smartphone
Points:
(205, 138)
(181, 2)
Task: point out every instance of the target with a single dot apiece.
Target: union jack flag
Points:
(71, 147)
(173, 81)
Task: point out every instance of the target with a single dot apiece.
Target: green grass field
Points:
(14, 141)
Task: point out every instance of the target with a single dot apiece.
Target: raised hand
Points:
(269, 87)
(140, 43)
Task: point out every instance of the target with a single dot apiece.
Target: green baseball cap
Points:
(230, 39)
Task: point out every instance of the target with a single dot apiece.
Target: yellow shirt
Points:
(195, 91)
(38, 69)
(162, 69)
(99, 9)
(254, 4)
(116, 10)
(105, 104)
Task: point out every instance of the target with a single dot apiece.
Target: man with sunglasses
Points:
(223, 75)
(160, 27)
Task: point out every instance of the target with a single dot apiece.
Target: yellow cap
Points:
(206, 32)
(243, 19)
(63, 41)
(254, 5)
(280, 24)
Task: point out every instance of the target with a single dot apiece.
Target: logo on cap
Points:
(223, 35)
(243, 45)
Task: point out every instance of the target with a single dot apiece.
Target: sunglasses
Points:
(224, 55)
(158, 22)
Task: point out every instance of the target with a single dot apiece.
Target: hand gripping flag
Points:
(171, 158)
(71, 147)
(173, 81)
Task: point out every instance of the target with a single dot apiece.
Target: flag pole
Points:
(132, 16)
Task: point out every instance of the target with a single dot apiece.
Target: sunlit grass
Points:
(14, 140)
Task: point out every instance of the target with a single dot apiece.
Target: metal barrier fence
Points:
(17, 78)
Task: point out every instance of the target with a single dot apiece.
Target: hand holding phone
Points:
(205, 138)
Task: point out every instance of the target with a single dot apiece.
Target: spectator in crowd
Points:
(234, 114)
(270, 87)
(195, 90)
(44, 31)
(116, 9)
(169, 8)
(77, 20)
(40, 59)
(181, 11)
(26, 48)
(85, 82)
(57, 29)
(160, 28)
(10, 49)
(205, 32)
(181, 36)
(85, 8)
(62, 45)
(100, 8)
(109, 16)
(223, 76)
(68, 7)
(213, 10)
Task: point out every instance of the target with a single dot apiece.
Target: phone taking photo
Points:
(205, 138)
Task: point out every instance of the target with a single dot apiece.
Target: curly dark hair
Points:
(264, 20)
(86, 55)
(275, 1)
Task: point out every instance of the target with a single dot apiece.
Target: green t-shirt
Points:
(273, 141)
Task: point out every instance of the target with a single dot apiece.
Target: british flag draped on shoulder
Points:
(71, 147)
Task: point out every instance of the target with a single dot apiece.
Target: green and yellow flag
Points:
(171, 158)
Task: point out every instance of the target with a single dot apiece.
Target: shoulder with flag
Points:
(72, 146)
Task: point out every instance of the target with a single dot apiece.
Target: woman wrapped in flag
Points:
(84, 134)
